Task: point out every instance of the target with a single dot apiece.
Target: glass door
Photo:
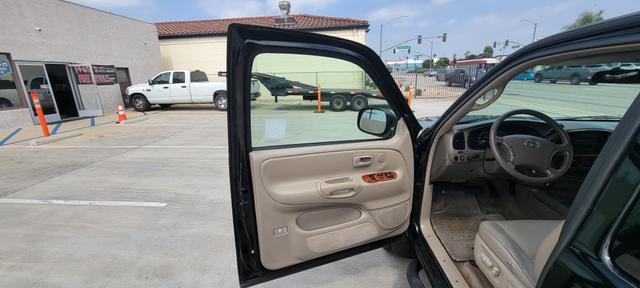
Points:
(34, 79)
(85, 90)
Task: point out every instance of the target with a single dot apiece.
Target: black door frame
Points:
(244, 43)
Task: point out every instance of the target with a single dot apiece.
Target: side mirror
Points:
(376, 121)
(149, 82)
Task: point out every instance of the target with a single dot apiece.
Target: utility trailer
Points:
(339, 99)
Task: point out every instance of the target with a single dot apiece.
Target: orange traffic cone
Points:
(121, 115)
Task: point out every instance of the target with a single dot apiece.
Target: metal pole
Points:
(431, 56)
(380, 50)
(535, 27)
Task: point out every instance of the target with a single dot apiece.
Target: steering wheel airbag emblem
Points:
(531, 143)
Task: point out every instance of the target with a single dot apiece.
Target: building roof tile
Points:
(305, 22)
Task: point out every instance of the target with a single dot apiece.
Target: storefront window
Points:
(9, 97)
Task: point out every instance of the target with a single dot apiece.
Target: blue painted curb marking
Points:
(92, 121)
(55, 129)
(5, 139)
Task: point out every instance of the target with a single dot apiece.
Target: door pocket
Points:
(314, 220)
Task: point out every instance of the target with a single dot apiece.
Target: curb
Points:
(53, 138)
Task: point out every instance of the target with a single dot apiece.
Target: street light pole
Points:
(535, 27)
(381, 26)
(431, 55)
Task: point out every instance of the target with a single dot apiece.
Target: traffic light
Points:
(506, 43)
(419, 39)
(495, 44)
(444, 37)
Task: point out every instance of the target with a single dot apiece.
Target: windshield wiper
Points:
(591, 118)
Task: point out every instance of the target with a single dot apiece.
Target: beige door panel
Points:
(312, 201)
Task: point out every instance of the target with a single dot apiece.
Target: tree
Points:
(471, 56)
(487, 53)
(586, 17)
(426, 63)
(442, 62)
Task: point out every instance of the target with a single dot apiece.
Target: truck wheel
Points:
(537, 78)
(575, 80)
(221, 101)
(338, 103)
(358, 103)
(140, 103)
(165, 106)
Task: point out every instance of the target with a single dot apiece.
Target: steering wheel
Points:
(530, 152)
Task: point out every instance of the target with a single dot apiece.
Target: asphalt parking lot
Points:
(142, 205)
(147, 204)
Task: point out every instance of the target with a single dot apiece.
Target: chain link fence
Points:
(437, 83)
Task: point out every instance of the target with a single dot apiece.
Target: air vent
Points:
(458, 141)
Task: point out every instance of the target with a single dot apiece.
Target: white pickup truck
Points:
(181, 87)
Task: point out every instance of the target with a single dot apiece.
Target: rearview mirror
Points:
(617, 76)
(376, 121)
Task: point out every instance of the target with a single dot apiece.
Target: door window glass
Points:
(625, 244)
(162, 78)
(9, 97)
(178, 77)
(198, 76)
(286, 113)
(35, 80)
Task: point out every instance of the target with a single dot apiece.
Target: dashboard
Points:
(463, 154)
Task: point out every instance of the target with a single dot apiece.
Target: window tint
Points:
(286, 112)
(162, 78)
(625, 244)
(178, 77)
(198, 76)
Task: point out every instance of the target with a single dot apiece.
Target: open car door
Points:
(310, 183)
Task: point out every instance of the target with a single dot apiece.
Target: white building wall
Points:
(60, 31)
(209, 54)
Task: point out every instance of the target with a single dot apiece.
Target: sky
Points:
(470, 24)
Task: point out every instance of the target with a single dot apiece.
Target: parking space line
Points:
(82, 202)
(55, 129)
(5, 139)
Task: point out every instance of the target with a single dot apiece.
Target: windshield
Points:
(562, 94)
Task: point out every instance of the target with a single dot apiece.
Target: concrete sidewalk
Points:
(20, 135)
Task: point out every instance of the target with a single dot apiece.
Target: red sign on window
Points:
(83, 74)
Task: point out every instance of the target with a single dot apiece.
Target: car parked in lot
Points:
(629, 66)
(575, 74)
(460, 77)
(440, 74)
(181, 87)
(525, 75)
(496, 193)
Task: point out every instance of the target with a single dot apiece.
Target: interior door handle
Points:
(339, 188)
(362, 161)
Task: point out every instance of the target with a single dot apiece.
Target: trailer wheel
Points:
(338, 103)
(358, 103)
